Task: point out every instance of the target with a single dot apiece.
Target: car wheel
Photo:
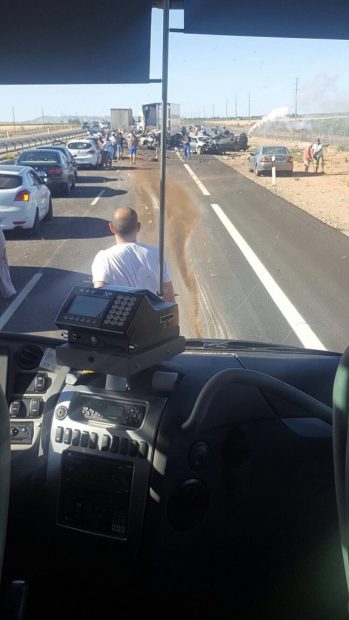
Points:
(49, 214)
(257, 171)
(35, 230)
(199, 150)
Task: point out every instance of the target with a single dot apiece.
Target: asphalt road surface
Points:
(246, 264)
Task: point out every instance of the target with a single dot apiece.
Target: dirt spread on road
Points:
(325, 196)
(181, 215)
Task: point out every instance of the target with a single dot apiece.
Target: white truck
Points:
(121, 118)
(152, 117)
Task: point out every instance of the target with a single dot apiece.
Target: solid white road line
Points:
(301, 328)
(197, 180)
(4, 318)
(194, 177)
(95, 200)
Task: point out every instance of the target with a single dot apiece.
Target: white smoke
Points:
(278, 114)
(323, 94)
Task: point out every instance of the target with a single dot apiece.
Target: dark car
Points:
(52, 166)
(63, 149)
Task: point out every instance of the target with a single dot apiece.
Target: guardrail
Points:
(13, 146)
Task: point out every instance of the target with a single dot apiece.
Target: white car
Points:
(86, 152)
(197, 142)
(25, 200)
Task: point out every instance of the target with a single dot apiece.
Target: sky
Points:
(208, 76)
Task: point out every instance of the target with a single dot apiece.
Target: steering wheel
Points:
(5, 466)
(341, 453)
(254, 379)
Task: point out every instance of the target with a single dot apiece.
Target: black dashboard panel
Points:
(166, 508)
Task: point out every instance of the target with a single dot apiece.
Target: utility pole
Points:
(43, 117)
(213, 110)
(295, 103)
(13, 119)
(62, 117)
(236, 106)
(249, 106)
(226, 108)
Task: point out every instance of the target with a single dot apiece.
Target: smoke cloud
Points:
(322, 94)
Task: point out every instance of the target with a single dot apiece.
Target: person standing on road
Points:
(307, 157)
(6, 287)
(129, 263)
(318, 155)
(132, 148)
(186, 147)
(119, 145)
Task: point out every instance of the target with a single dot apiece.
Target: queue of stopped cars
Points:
(25, 200)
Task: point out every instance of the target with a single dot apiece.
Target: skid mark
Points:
(180, 224)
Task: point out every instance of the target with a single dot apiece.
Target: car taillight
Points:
(23, 196)
(265, 160)
(92, 151)
(55, 171)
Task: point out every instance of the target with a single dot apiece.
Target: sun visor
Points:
(311, 19)
(74, 42)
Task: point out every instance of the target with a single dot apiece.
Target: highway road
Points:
(246, 264)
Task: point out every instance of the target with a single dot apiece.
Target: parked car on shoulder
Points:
(25, 200)
(261, 160)
(86, 152)
(52, 166)
(63, 149)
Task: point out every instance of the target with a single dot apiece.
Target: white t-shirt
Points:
(129, 264)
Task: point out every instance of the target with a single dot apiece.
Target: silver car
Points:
(25, 200)
(261, 160)
(86, 152)
(197, 142)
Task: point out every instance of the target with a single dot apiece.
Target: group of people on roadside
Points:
(314, 153)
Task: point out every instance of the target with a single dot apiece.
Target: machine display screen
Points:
(88, 306)
(94, 409)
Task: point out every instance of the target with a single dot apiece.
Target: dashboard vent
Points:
(29, 357)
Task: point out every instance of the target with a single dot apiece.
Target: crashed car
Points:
(226, 143)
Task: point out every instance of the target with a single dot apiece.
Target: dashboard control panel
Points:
(100, 455)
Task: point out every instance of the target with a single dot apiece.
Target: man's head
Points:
(124, 225)
(318, 140)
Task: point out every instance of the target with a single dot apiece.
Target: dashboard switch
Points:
(124, 443)
(40, 383)
(134, 447)
(85, 436)
(15, 408)
(67, 436)
(105, 442)
(115, 444)
(59, 434)
(93, 441)
(34, 407)
(143, 449)
(76, 437)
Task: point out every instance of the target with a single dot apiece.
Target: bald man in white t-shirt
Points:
(129, 263)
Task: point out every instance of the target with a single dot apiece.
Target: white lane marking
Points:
(301, 328)
(197, 180)
(95, 200)
(4, 318)
(194, 177)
